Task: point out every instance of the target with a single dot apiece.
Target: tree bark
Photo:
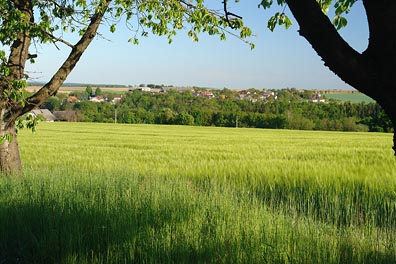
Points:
(10, 161)
(337, 54)
(371, 72)
(394, 134)
(60, 76)
(393, 119)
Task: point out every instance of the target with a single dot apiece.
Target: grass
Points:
(351, 97)
(106, 193)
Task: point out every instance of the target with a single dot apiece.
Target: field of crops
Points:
(107, 193)
(351, 97)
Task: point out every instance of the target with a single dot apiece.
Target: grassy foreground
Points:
(106, 193)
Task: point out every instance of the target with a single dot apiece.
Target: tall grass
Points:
(97, 193)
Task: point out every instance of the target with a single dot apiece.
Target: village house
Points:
(317, 98)
(97, 99)
(203, 94)
(244, 95)
(156, 90)
(73, 99)
(145, 89)
(116, 99)
(207, 94)
(44, 113)
(267, 95)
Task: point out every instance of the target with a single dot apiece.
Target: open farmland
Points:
(350, 97)
(107, 193)
(69, 89)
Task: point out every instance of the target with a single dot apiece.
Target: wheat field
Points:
(112, 193)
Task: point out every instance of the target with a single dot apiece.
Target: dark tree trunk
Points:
(394, 134)
(10, 161)
(371, 72)
(387, 102)
(394, 138)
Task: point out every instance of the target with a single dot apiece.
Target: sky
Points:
(281, 59)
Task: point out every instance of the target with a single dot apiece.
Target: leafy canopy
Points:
(160, 17)
(341, 7)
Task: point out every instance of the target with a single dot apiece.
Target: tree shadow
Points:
(348, 254)
(38, 232)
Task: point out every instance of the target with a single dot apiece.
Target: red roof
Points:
(72, 98)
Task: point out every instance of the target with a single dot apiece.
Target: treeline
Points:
(288, 110)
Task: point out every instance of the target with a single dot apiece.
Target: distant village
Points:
(288, 108)
(113, 95)
(251, 95)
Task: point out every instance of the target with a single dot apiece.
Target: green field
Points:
(106, 193)
(351, 97)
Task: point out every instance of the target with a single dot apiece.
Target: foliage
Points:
(341, 7)
(98, 91)
(88, 91)
(159, 17)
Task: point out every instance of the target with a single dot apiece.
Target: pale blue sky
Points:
(281, 59)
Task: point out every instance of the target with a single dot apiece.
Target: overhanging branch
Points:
(56, 39)
(59, 77)
(336, 53)
(228, 14)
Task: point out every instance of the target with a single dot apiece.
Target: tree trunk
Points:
(390, 109)
(10, 161)
(371, 72)
(393, 119)
(394, 139)
(10, 109)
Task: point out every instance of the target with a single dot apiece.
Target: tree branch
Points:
(19, 50)
(59, 77)
(381, 52)
(338, 56)
(228, 14)
(56, 39)
(382, 39)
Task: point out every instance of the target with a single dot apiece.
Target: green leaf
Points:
(324, 5)
(272, 22)
(265, 4)
(6, 137)
(288, 22)
(112, 28)
(340, 22)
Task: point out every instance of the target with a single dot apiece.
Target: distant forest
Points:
(280, 109)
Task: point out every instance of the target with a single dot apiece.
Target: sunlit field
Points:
(351, 97)
(107, 193)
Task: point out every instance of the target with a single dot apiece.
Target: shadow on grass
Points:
(349, 255)
(140, 228)
(53, 233)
